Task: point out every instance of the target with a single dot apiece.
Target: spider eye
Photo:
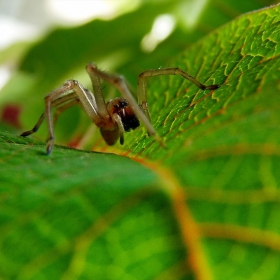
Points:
(121, 104)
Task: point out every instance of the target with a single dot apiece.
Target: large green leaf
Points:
(206, 207)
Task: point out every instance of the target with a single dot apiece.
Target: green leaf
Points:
(206, 207)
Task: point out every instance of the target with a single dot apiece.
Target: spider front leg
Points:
(141, 87)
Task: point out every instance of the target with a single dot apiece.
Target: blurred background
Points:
(25, 20)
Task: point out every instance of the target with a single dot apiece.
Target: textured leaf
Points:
(206, 207)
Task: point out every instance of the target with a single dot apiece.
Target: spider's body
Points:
(114, 117)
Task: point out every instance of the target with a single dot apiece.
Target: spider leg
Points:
(59, 110)
(69, 94)
(84, 96)
(97, 91)
(36, 127)
(121, 85)
(51, 100)
(141, 88)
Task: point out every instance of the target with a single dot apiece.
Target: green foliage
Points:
(204, 207)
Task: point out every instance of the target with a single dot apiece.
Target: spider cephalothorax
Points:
(122, 118)
(114, 117)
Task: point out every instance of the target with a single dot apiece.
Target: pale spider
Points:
(114, 117)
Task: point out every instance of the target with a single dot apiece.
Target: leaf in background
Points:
(206, 207)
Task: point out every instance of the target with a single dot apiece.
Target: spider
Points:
(114, 117)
